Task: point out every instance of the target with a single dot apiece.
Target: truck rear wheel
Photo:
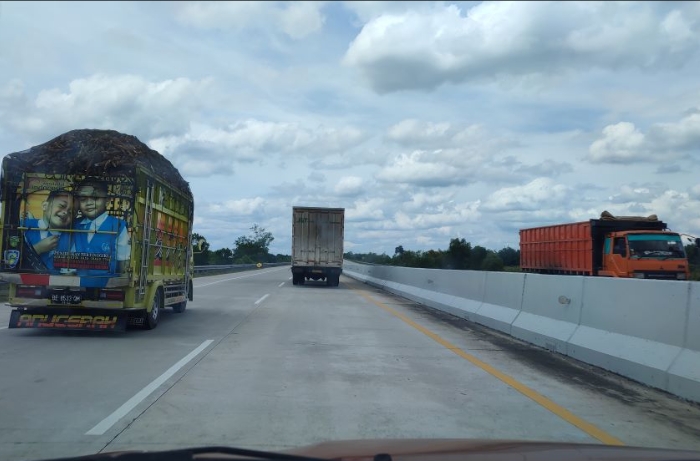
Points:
(151, 320)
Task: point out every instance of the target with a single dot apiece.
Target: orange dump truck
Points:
(626, 247)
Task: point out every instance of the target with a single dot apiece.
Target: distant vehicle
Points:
(317, 244)
(96, 233)
(626, 247)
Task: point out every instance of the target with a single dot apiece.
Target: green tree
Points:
(280, 258)
(201, 254)
(407, 258)
(492, 262)
(431, 259)
(222, 256)
(477, 257)
(255, 246)
(458, 254)
(509, 256)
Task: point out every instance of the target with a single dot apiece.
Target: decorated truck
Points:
(96, 233)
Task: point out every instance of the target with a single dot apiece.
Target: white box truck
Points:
(317, 244)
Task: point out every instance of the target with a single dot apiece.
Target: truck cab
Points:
(644, 255)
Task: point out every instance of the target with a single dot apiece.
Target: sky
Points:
(426, 121)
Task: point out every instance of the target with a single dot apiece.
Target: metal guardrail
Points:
(201, 270)
(233, 267)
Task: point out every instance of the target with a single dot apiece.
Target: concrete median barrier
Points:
(684, 372)
(503, 296)
(550, 312)
(459, 293)
(632, 327)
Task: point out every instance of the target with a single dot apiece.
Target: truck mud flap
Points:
(136, 319)
(69, 319)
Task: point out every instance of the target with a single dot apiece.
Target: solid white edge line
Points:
(281, 284)
(262, 299)
(104, 425)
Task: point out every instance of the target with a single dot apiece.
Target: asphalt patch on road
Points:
(664, 407)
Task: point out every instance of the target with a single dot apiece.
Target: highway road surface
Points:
(256, 362)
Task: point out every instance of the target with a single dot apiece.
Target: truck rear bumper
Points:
(74, 318)
(319, 270)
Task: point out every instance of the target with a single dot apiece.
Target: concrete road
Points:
(259, 363)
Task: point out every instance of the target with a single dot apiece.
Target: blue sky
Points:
(424, 120)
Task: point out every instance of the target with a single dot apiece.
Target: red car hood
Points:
(484, 450)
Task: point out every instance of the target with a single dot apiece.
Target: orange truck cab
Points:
(627, 247)
(644, 255)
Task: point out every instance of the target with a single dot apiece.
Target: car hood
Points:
(407, 450)
(484, 450)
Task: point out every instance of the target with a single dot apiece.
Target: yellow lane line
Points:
(558, 410)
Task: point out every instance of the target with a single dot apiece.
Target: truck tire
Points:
(301, 279)
(295, 279)
(151, 319)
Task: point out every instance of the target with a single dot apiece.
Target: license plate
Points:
(317, 272)
(66, 298)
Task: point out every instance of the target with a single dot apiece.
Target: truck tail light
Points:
(29, 291)
(112, 295)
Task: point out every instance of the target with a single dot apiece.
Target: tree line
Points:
(248, 249)
(459, 255)
(255, 248)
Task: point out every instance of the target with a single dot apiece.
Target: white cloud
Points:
(620, 143)
(233, 208)
(426, 201)
(549, 168)
(413, 132)
(295, 19)
(452, 214)
(457, 143)
(217, 149)
(539, 194)
(422, 50)
(366, 11)
(664, 142)
(680, 136)
(349, 186)
(365, 210)
(420, 168)
(636, 193)
(126, 103)
(302, 18)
